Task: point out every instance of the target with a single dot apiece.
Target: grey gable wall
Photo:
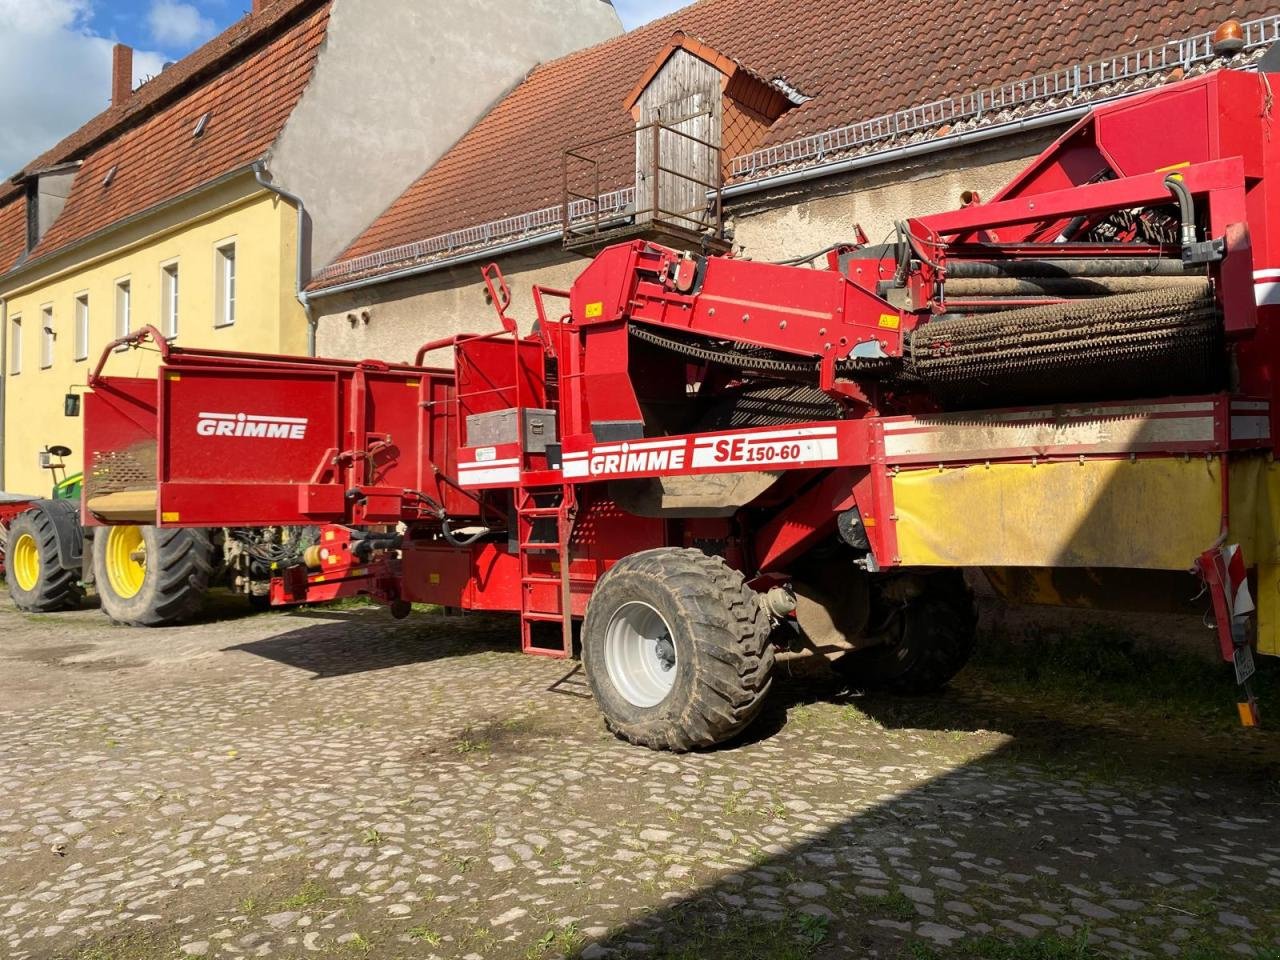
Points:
(400, 81)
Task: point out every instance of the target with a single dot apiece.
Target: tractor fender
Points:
(65, 517)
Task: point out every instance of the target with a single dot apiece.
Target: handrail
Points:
(500, 303)
(135, 338)
(591, 223)
(433, 345)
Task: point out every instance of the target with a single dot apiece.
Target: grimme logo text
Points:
(251, 425)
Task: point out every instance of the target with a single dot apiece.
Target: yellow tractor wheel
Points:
(151, 577)
(126, 552)
(24, 560)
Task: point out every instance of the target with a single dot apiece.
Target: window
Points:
(82, 327)
(169, 301)
(15, 346)
(225, 257)
(124, 309)
(47, 337)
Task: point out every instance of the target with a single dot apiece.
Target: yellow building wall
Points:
(268, 317)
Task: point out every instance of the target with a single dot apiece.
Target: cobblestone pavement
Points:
(331, 783)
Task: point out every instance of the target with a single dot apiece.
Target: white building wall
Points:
(397, 83)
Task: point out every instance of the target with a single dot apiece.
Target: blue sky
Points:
(39, 105)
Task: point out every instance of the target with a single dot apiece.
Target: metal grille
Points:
(116, 471)
(1075, 82)
(548, 220)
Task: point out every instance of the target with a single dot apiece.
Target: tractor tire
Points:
(38, 583)
(927, 641)
(676, 649)
(151, 577)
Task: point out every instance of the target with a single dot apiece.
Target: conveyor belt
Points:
(1139, 344)
(1150, 343)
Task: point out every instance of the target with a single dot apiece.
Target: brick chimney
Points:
(121, 74)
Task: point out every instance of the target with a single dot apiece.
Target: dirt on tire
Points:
(179, 566)
(723, 658)
(56, 588)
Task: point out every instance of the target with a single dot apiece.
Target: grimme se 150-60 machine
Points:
(716, 462)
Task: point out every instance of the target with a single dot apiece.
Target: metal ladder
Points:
(563, 510)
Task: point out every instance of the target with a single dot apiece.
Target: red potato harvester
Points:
(715, 462)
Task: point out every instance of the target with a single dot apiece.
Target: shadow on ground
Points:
(1101, 821)
(1083, 834)
(359, 640)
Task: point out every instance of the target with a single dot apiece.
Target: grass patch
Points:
(308, 895)
(707, 936)
(135, 946)
(424, 934)
(563, 940)
(896, 906)
(1098, 663)
(1047, 947)
(469, 742)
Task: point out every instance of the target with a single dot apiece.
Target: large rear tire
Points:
(151, 577)
(928, 639)
(676, 649)
(38, 583)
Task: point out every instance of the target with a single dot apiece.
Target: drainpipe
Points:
(260, 174)
(4, 375)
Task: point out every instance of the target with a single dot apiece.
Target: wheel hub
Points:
(126, 557)
(25, 560)
(665, 651)
(640, 654)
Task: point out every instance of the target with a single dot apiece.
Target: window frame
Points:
(225, 282)
(170, 298)
(48, 336)
(14, 333)
(80, 332)
(123, 285)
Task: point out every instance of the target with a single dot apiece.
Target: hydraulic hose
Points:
(1185, 205)
(455, 541)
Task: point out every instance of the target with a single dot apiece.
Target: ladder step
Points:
(539, 511)
(543, 616)
(552, 653)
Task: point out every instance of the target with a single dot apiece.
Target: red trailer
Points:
(713, 462)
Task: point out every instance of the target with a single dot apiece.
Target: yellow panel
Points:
(1255, 508)
(1152, 514)
(1268, 602)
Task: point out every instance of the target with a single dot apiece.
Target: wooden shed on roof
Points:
(694, 110)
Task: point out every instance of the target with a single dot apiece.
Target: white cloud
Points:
(54, 75)
(636, 12)
(176, 24)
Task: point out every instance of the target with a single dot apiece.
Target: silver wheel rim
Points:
(639, 654)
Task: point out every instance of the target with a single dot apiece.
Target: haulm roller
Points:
(715, 464)
(1165, 341)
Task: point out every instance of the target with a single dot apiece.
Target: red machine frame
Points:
(383, 443)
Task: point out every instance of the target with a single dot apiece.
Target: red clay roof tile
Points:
(856, 59)
(248, 79)
(13, 233)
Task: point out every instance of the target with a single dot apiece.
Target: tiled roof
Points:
(13, 233)
(855, 60)
(248, 79)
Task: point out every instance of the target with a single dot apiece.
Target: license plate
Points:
(1243, 660)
